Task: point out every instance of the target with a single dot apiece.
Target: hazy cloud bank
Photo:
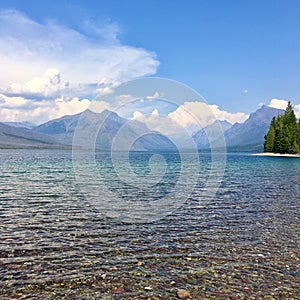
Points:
(48, 62)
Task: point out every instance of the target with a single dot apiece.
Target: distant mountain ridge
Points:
(210, 133)
(15, 137)
(246, 136)
(108, 123)
(59, 133)
(59, 127)
(24, 124)
(250, 134)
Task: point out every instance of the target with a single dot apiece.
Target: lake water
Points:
(57, 244)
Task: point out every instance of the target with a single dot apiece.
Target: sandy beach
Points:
(276, 154)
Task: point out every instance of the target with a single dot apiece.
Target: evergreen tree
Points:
(279, 143)
(296, 147)
(269, 140)
(284, 133)
(289, 117)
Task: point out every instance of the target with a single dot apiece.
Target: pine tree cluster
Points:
(284, 133)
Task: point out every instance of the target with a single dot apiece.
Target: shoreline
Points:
(276, 154)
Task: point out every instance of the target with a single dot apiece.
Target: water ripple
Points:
(244, 244)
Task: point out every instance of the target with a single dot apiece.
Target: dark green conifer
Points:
(269, 140)
(284, 133)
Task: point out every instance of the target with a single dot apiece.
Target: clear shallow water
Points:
(243, 244)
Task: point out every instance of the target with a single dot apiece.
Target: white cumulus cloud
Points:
(282, 104)
(165, 125)
(18, 109)
(278, 103)
(186, 120)
(28, 48)
(232, 118)
(45, 61)
(195, 115)
(12, 102)
(73, 106)
(39, 87)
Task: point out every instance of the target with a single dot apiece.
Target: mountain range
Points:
(25, 124)
(59, 133)
(210, 133)
(108, 124)
(19, 137)
(247, 136)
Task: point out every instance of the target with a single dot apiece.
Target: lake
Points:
(56, 243)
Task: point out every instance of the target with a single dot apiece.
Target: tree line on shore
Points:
(284, 133)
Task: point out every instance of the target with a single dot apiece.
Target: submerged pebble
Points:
(183, 294)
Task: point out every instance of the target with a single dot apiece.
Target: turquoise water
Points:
(57, 244)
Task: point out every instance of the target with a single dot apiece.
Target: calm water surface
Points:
(242, 244)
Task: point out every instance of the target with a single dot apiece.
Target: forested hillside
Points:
(284, 133)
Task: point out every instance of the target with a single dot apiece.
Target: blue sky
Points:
(237, 54)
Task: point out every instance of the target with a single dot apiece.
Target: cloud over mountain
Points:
(196, 115)
(48, 62)
(282, 104)
(48, 86)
